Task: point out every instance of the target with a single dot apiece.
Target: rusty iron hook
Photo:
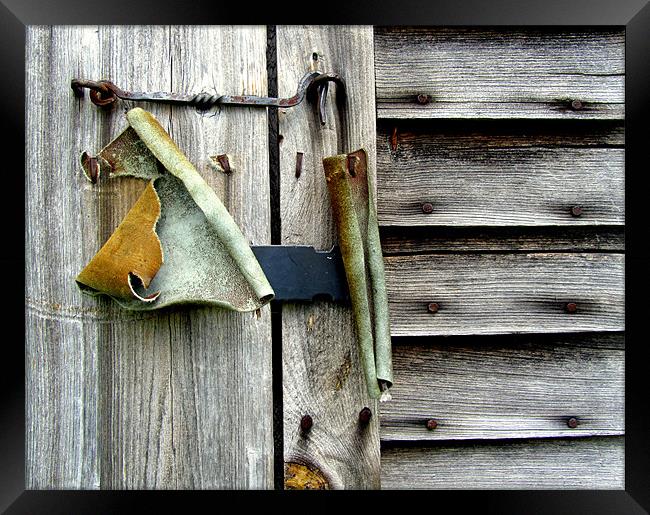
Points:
(104, 93)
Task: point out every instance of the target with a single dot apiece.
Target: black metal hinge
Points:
(303, 273)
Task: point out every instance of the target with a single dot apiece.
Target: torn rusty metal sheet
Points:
(352, 196)
(178, 244)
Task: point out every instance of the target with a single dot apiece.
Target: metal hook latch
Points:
(104, 93)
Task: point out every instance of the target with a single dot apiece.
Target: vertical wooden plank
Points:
(322, 376)
(182, 398)
(136, 400)
(222, 376)
(61, 369)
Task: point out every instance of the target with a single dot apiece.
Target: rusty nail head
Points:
(571, 307)
(224, 162)
(365, 415)
(352, 161)
(576, 210)
(433, 307)
(298, 164)
(393, 140)
(423, 99)
(306, 422)
(432, 424)
(576, 105)
(427, 208)
(572, 422)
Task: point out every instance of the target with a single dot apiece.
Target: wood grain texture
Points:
(505, 293)
(563, 464)
(507, 387)
(182, 396)
(500, 73)
(61, 351)
(500, 178)
(414, 240)
(322, 375)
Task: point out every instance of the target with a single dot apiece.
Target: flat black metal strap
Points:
(302, 272)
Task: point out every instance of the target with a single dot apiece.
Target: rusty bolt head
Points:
(365, 415)
(433, 307)
(572, 422)
(571, 307)
(422, 99)
(432, 424)
(576, 210)
(427, 208)
(306, 422)
(576, 105)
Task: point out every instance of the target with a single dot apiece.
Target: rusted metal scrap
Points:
(178, 243)
(104, 93)
(351, 191)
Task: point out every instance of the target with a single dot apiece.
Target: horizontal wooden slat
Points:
(505, 293)
(414, 240)
(500, 73)
(576, 463)
(507, 387)
(499, 179)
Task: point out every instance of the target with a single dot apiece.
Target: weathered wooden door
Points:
(499, 164)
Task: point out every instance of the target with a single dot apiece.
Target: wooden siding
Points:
(507, 387)
(559, 464)
(500, 72)
(525, 214)
(501, 177)
(505, 293)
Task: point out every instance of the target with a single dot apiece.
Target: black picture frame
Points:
(15, 15)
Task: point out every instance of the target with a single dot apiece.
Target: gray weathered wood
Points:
(505, 180)
(402, 240)
(563, 464)
(182, 398)
(61, 352)
(321, 372)
(505, 293)
(507, 387)
(500, 73)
